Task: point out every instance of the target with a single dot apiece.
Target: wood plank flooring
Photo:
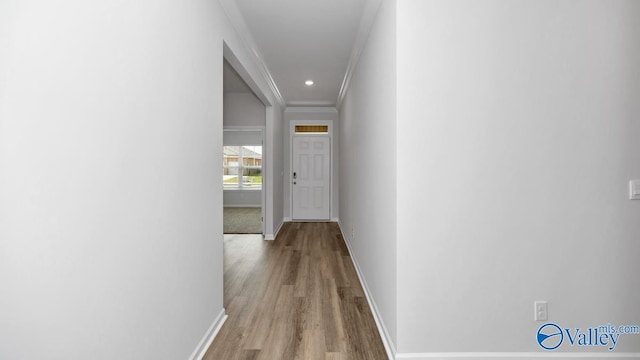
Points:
(297, 297)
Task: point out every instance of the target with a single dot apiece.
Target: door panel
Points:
(312, 178)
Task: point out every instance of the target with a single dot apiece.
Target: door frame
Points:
(292, 134)
(269, 181)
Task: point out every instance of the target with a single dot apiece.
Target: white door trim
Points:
(288, 177)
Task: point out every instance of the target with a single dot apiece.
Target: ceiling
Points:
(299, 40)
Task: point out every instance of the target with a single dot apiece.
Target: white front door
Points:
(311, 177)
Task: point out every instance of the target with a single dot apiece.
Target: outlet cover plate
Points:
(634, 189)
(541, 311)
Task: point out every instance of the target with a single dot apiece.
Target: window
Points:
(242, 167)
(316, 129)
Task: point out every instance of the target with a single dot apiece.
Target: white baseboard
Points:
(286, 219)
(207, 339)
(516, 355)
(382, 329)
(275, 234)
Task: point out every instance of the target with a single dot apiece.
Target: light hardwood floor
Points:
(297, 297)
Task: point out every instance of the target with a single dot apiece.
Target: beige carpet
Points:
(242, 220)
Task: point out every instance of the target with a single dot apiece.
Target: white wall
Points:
(243, 109)
(367, 133)
(242, 198)
(517, 131)
(311, 113)
(110, 117)
(244, 136)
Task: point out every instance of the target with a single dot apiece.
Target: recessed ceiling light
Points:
(308, 82)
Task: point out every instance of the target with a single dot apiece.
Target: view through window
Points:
(242, 167)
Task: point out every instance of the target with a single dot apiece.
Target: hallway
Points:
(297, 297)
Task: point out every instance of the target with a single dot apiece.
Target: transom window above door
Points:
(312, 129)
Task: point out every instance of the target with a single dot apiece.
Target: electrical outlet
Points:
(353, 234)
(634, 189)
(541, 311)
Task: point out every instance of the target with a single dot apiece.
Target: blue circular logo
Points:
(550, 336)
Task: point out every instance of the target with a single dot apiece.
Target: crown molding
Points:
(240, 26)
(364, 28)
(309, 109)
(310, 103)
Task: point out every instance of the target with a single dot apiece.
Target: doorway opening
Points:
(242, 181)
(244, 119)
